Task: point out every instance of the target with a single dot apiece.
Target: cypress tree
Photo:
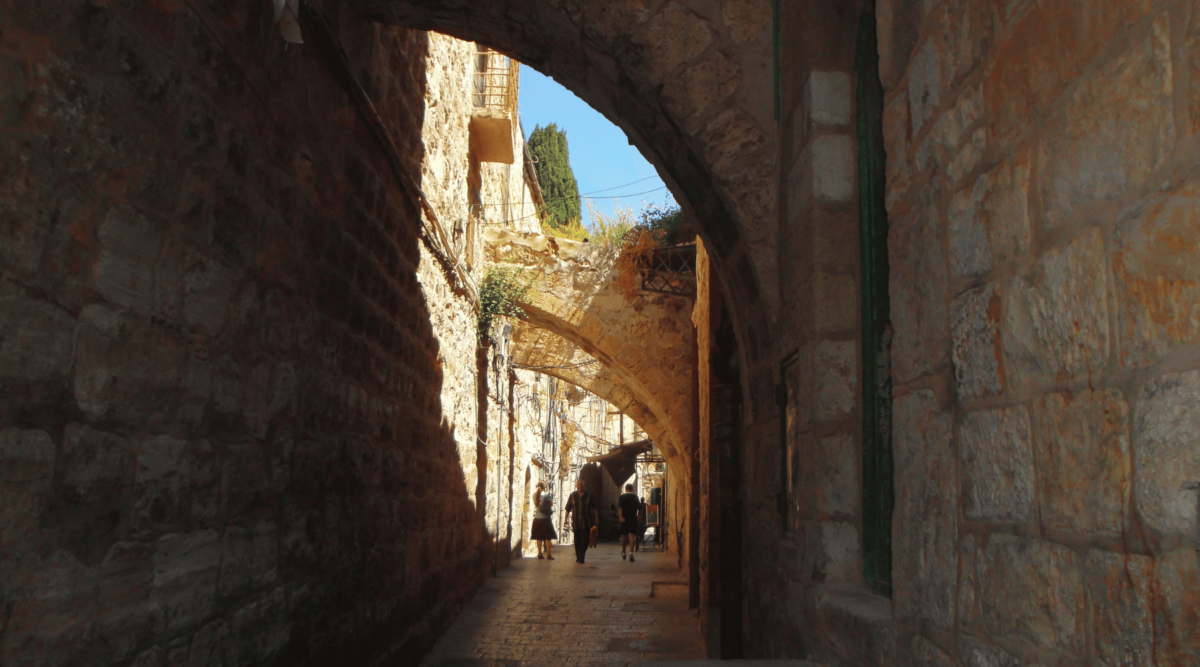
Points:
(549, 146)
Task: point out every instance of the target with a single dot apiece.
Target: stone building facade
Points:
(944, 348)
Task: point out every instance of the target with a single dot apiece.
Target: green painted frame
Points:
(878, 489)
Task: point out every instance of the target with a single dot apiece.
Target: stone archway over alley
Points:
(943, 355)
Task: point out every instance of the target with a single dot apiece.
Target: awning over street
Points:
(621, 462)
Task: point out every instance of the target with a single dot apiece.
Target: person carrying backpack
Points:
(543, 527)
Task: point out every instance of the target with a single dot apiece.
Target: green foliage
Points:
(609, 230)
(665, 222)
(549, 147)
(499, 295)
(573, 231)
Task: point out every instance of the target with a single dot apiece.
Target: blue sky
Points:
(601, 156)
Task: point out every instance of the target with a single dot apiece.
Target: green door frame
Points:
(878, 493)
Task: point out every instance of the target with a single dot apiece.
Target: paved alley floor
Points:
(540, 613)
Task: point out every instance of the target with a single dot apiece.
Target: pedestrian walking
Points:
(583, 514)
(641, 536)
(543, 527)
(628, 507)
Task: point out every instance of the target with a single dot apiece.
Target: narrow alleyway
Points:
(604, 613)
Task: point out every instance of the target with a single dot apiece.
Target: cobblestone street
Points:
(606, 612)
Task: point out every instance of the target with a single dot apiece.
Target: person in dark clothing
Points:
(582, 514)
(641, 536)
(627, 511)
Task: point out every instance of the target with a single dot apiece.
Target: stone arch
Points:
(646, 347)
(546, 352)
(689, 82)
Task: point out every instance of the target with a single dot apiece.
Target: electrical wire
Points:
(563, 368)
(618, 187)
(499, 204)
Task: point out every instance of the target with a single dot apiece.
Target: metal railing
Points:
(495, 86)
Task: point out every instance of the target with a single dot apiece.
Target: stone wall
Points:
(225, 350)
(1042, 193)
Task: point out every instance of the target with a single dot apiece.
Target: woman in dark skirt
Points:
(543, 528)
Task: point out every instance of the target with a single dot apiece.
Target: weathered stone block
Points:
(944, 145)
(704, 85)
(834, 552)
(1048, 47)
(968, 157)
(53, 624)
(925, 525)
(154, 656)
(833, 167)
(186, 566)
(1157, 278)
(728, 139)
(969, 575)
(235, 562)
(975, 653)
(672, 37)
(209, 646)
(125, 578)
(748, 20)
(835, 302)
(129, 247)
(1119, 596)
(227, 386)
(998, 479)
(208, 288)
(975, 339)
(1177, 608)
(26, 474)
(989, 223)
(1033, 591)
(256, 400)
(263, 554)
(835, 475)
(1114, 131)
(1057, 323)
(828, 97)
(1165, 453)
(260, 629)
(896, 142)
(927, 654)
(835, 372)
(97, 466)
(35, 337)
(917, 285)
(1083, 461)
(858, 625)
(926, 84)
(163, 479)
(130, 370)
(958, 35)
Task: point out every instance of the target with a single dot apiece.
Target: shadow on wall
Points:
(221, 428)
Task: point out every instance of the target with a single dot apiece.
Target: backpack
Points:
(547, 505)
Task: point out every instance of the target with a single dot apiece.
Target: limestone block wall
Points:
(802, 407)
(1042, 193)
(239, 419)
(468, 194)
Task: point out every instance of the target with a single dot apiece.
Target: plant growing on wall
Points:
(665, 222)
(639, 243)
(549, 147)
(500, 294)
